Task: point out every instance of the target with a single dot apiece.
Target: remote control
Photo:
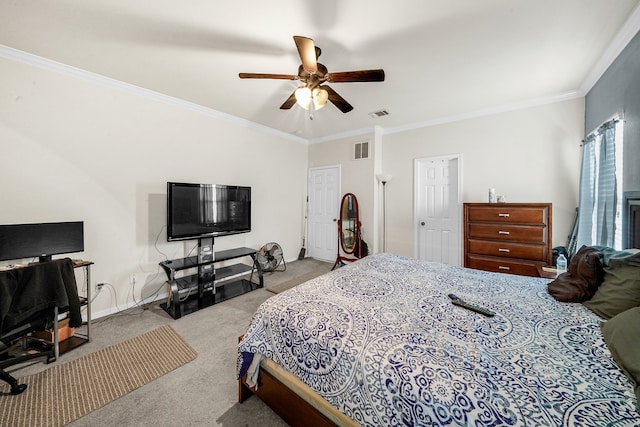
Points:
(459, 302)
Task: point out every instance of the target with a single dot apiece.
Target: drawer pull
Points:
(502, 267)
(503, 232)
(505, 215)
(503, 250)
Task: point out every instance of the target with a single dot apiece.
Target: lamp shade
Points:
(384, 178)
(320, 97)
(303, 97)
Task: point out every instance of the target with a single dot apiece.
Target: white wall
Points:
(78, 150)
(528, 155)
(357, 177)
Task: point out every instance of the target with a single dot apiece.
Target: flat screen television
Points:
(207, 210)
(40, 240)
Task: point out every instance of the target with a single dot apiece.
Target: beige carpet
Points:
(66, 392)
(281, 287)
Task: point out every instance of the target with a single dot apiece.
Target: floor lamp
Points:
(384, 178)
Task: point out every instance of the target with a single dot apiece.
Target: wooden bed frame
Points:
(294, 401)
(294, 410)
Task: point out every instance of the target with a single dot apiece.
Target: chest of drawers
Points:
(507, 237)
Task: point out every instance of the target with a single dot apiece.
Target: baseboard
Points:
(122, 307)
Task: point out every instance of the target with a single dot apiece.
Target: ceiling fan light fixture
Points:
(303, 97)
(313, 75)
(320, 97)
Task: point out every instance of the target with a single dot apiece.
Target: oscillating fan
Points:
(269, 257)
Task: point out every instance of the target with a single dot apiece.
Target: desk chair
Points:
(17, 347)
(29, 301)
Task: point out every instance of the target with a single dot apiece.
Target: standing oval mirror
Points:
(349, 223)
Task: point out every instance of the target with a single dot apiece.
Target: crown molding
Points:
(486, 112)
(78, 73)
(627, 32)
(343, 135)
(453, 118)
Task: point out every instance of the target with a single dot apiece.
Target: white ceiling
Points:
(444, 59)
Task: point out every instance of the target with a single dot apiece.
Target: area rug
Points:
(281, 287)
(68, 391)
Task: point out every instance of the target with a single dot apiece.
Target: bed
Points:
(378, 342)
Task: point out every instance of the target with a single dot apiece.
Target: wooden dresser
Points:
(507, 237)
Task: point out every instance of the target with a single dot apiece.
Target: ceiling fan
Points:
(314, 75)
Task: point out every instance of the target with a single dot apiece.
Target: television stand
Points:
(210, 285)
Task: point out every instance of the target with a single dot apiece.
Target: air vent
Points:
(377, 114)
(361, 150)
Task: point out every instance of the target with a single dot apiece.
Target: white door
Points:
(437, 204)
(324, 199)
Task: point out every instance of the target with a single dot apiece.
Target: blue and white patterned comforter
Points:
(380, 340)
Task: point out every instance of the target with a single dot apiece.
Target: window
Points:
(600, 207)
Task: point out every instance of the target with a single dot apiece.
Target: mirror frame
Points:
(349, 223)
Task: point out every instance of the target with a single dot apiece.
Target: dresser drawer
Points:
(507, 214)
(507, 233)
(507, 237)
(502, 265)
(507, 249)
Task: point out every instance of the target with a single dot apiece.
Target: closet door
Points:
(324, 201)
(437, 203)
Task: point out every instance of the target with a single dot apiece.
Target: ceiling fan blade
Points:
(307, 52)
(290, 102)
(356, 76)
(337, 100)
(267, 76)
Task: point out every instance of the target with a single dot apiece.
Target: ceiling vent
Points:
(361, 150)
(377, 114)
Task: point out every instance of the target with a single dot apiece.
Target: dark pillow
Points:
(608, 253)
(582, 279)
(621, 335)
(620, 289)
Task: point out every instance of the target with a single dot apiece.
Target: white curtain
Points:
(598, 189)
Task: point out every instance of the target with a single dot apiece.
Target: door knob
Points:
(422, 223)
(335, 219)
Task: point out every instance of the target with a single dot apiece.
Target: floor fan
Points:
(269, 258)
